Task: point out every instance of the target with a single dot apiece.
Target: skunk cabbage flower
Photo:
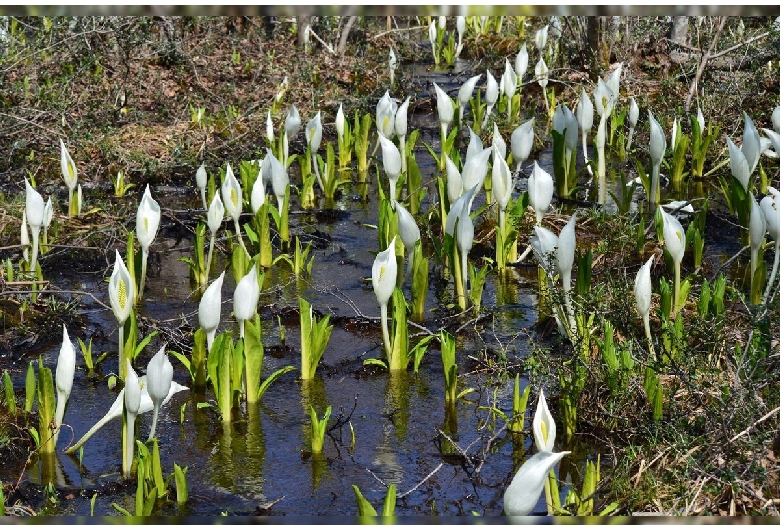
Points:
(314, 133)
(643, 293)
(543, 425)
(509, 85)
(633, 113)
(475, 144)
(432, 38)
(231, 194)
(498, 141)
(48, 213)
(445, 108)
(121, 293)
(340, 121)
(384, 274)
(407, 229)
(454, 181)
(34, 207)
(756, 229)
(614, 80)
(132, 406)
(462, 204)
(400, 123)
(69, 173)
(751, 143)
(66, 368)
(491, 96)
(522, 141)
(565, 255)
(774, 139)
(269, 127)
(585, 114)
(257, 199)
(115, 411)
(776, 120)
(603, 98)
(25, 237)
(491, 90)
(385, 115)
(544, 243)
(159, 377)
(460, 26)
(210, 308)
(391, 159)
(740, 168)
(523, 493)
(502, 180)
(700, 119)
(464, 237)
(633, 118)
(201, 180)
(392, 64)
(147, 222)
(770, 205)
(279, 177)
(292, 123)
(215, 214)
(521, 64)
(475, 169)
(245, 298)
(540, 39)
(542, 73)
(674, 236)
(540, 191)
(464, 95)
(657, 150)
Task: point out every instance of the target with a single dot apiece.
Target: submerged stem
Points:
(144, 258)
(208, 260)
(238, 235)
(154, 420)
(122, 362)
(127, 462)
(386, 333)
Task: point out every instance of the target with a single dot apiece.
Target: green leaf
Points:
(388, 508)
(364, 507)
(182, 491)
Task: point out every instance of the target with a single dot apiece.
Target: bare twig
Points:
(743, 43)
(398, 30)
(457, 447)
(755, 423)
(421, 482)
(703, 63)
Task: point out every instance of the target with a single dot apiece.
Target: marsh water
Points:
(384, 429)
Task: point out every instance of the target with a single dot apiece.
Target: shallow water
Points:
(442, 465)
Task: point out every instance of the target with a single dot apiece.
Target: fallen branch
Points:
(760, 420)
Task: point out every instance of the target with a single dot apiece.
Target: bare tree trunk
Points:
(598, 51)
(344, 34)
(303, 22)
(679, 34)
